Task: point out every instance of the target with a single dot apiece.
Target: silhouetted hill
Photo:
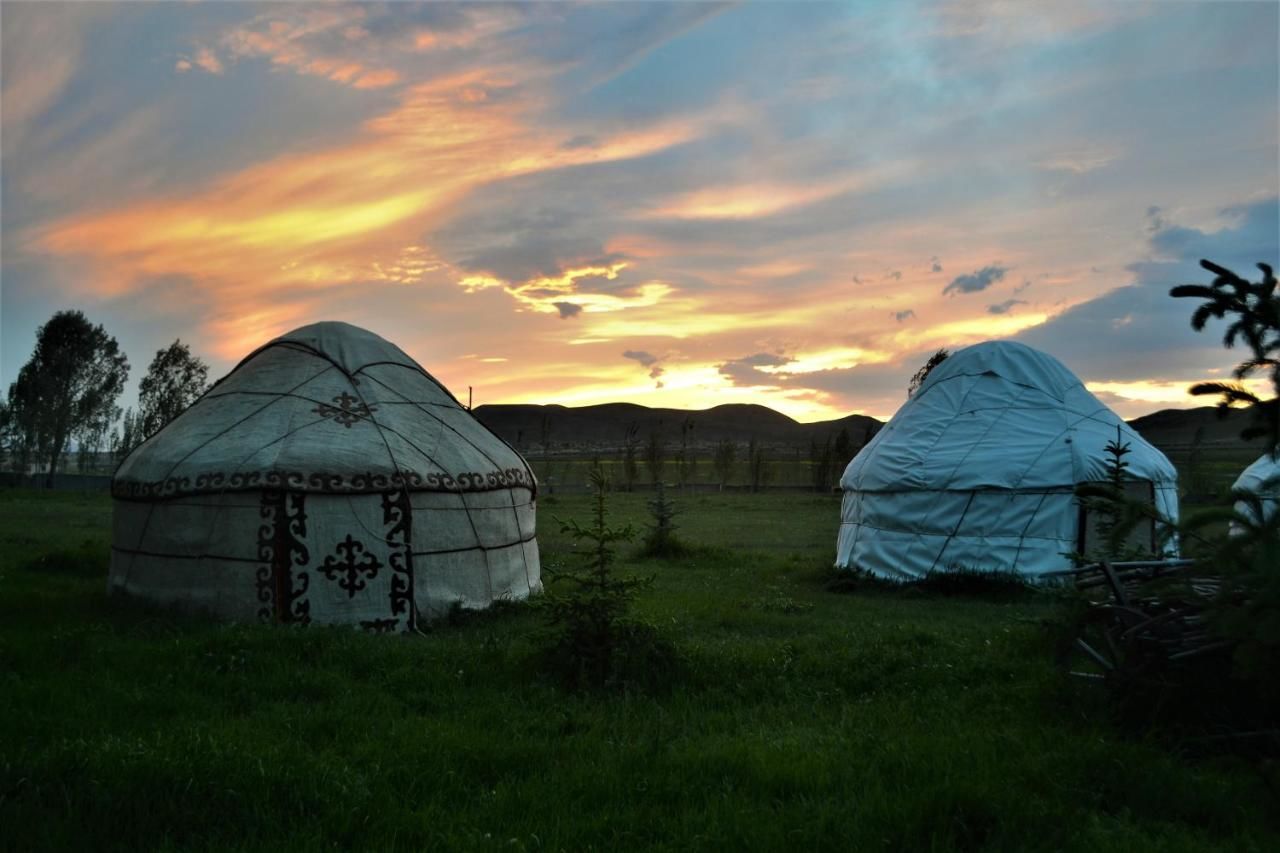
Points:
(531, 426)
(1172, 429)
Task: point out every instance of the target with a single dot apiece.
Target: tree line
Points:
(68, 392)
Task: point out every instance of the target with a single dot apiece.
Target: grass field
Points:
(804, 718)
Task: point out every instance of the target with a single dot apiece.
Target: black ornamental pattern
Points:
(397, 514)
(321, 482)
(281, 592)
(351, 562)
(347, 411)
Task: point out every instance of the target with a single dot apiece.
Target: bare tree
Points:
(686, 462)
(631, 456)
(821, 461)
(723, 460)
(655, 452)
(757, 466)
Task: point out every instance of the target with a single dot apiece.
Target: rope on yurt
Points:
(146, 524)
(952, 534)
(514, 512)
(1023, 536)
(408, 500)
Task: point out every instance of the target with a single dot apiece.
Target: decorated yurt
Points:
(327, 478)
(977, 471)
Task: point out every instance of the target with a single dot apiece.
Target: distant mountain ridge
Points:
(606, 425)
(529, 426)
(1173, 428)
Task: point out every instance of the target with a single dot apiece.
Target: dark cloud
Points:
(876, 388)
(1025, 284)
(647, 359)
(896, 275)
(582, 140)
(528, 227)
(1138, 331)
(901, 316)
(857, 280)
(568, 309)
(1005, 307)
(975, 282)
(936, 265)
(742, 371)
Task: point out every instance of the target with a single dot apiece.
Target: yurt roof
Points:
(999, 415)
(1261, 477)
(331, 408)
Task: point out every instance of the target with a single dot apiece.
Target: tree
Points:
(69, 387)
(757, 469)
(631, 456)
(660, 539)
(129, 437)
(918, 378)
(174, 381)
(843, 452)
(597, 644)
(1255, 319)
(820, 463)
(687, 462)
(89, 443)
(722, 461)
(8, 435)
(655, 452)
(15, 438)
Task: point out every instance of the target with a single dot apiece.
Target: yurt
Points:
(977, 471)
(1262, 478)
(328, 478)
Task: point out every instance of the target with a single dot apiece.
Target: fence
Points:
(68, 482)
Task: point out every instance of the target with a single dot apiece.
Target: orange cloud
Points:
(749, 201)
(286, 40)
(1173, 394)
(760, 199)
(354, 212)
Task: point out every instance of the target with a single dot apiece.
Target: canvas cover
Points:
(1263, 479)
(327, 478)
(977, 470)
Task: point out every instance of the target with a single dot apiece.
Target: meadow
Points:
(808, 713)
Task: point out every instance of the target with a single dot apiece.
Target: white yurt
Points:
(1262, 478)
(327, 478)
(977, 471)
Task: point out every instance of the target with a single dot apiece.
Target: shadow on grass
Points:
(88, 559)
(676, 551)
(961, 583)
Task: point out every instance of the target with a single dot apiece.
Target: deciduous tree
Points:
(69, 387)
(173, 381)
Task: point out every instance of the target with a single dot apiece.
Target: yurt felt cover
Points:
(977, 470)
(327, 478)
(1262, 478)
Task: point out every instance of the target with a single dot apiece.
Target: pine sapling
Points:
(597, 644)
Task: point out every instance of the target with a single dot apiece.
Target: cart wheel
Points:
(1099, 654)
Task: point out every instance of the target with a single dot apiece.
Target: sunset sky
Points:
(673, 204)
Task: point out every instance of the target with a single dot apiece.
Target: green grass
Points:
(805, 719)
